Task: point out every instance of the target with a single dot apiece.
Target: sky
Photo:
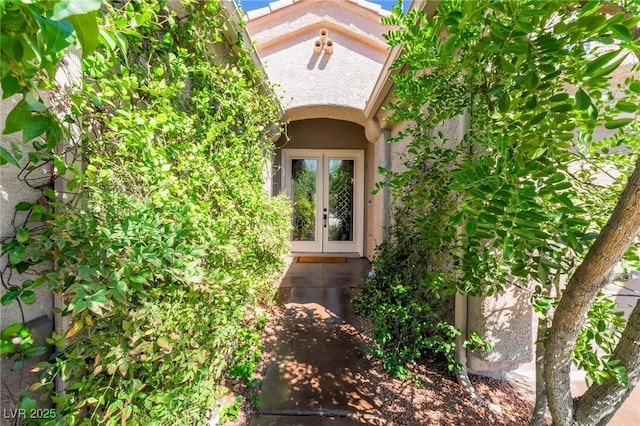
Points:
(248, 5)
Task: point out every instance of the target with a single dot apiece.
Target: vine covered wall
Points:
(165, 242)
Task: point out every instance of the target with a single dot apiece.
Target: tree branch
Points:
(599, 403)
(589, 278)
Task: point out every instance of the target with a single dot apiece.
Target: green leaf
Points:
(507, 66)
(531, 80)
(615, 124)
(496, 30)
(599, 62)
(538, 152)
(626, 106)
(6, 347)
(138, 279)
(507, 247)
(621, 375)
(27, 404)
(28, 297)
(562, 108)
(37, 125)
(589, 7)
(537, 118)
(12, 294)
(582, 99)
(34, 351)
(65, 8)
(504, 102)
(17, 118)
(543, 273)
(495, 90)
(59, 164)
(114, 406)
(532, 102)
(622, 32)
(23, 206)
(86, 26)
(11, 330)
(609, 68)
(471, 227)
(22, 235)
(525, 26)
(7, 157)
(10, 86)
(559, 97)
(34, 102)
(58, 35)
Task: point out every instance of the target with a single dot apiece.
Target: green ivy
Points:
(169, 243)
(517, 201)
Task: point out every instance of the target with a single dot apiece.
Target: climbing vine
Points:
(154, 229)
(521, 197)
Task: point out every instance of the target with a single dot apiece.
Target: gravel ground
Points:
(432, 397)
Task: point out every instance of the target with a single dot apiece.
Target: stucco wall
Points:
(304, 78)
(13, 189)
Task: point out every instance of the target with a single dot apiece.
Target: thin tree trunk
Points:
(599, 403)
(589, 278)
(537, 419)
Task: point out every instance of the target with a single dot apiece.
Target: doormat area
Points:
(319, 259)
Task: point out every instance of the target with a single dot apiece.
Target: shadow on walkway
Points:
(316, 376)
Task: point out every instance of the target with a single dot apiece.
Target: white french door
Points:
(326, 188)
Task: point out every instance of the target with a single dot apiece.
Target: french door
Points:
(326, 189)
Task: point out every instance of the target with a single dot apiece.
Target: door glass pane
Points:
(341, 174)
(303, 194)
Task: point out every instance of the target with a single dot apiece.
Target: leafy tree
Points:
(518, 201)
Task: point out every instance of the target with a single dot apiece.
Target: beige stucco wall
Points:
(311, 84)
(15, 187)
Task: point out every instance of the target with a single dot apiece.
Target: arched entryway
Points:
(324, 166)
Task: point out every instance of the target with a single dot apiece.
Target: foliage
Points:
(519, 198)
(170, 242)
(303, 198)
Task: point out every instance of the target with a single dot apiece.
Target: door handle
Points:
(324, 218)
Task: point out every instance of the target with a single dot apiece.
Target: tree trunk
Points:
(589, 278)
(599, 403)
(537, 419)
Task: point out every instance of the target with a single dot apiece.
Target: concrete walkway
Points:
(316, 375)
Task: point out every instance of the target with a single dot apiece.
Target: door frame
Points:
(323, 156)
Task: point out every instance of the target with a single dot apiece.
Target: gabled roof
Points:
(282, 19)
(280, 4)
(314, 82)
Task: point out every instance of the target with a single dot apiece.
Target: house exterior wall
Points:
(322, 92)
(15, 188)
(318, 84)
